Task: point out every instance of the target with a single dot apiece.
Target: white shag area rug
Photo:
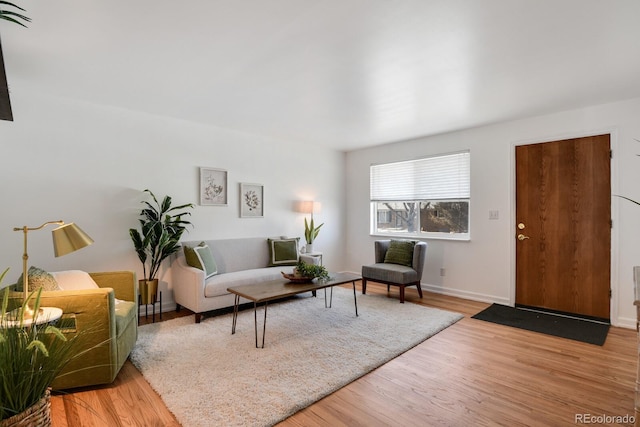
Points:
(208, 377)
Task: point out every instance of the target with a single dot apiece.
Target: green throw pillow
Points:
(400, 252)
(283, 252)
(201, 258)
(191, 257)
(206, 259)
(38, 278)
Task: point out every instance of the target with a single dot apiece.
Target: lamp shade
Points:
(308, 206)
(69, 238)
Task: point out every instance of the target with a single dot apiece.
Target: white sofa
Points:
(239, 262)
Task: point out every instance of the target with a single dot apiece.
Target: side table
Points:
(315, 255)
(46, 315)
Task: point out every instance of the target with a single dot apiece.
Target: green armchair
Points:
(105, 321)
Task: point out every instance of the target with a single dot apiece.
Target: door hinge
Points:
(611, 154)
(610, 294)
(611, 223)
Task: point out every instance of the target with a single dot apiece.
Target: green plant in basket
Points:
(30, 357)
(312, 271)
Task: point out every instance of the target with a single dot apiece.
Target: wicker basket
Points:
(37, 415)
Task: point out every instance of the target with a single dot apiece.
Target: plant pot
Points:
(309, 248)
(38, 414)
(148, 290)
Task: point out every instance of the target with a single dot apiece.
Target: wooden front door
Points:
(563, 226)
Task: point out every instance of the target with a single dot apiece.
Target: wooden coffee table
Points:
(281, 288)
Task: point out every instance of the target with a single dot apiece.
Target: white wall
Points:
(483, 268)
(88, 164)
(78, 162)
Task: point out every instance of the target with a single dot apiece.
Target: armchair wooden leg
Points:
(198, 317)
(419, 289)
(401, 294)
(364, 286)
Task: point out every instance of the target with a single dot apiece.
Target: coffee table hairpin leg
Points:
(236, 302)
(255, 321)
(330, 297)
(355, 301)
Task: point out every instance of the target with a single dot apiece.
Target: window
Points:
(384, 216)
(427, 197)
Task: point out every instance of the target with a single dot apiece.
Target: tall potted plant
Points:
(161, 228)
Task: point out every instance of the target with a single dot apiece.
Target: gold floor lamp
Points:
(67, 238)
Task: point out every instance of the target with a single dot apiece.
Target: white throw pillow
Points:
(72, 280)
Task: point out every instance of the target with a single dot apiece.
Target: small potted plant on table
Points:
(310, 234)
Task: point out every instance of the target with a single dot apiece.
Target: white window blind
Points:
(444, 177)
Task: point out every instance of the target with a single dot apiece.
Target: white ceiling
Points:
(344, 74)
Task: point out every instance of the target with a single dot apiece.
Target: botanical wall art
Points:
(213, 186)
(251, 200)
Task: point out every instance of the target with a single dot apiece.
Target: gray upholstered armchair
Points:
(395, 270)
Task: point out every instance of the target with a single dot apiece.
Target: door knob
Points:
(521, 226)
(522, 237)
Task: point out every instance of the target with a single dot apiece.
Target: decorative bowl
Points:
(296, 279)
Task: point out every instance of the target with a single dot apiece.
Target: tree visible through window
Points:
(422, 198)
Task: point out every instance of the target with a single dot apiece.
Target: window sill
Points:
(465, 238)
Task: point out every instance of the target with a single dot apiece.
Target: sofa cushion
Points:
(388, 272)
(206, 260)
(238, 254)
(125, 312)
(217, 285)
(38, 278)
(72, 280)
(283, 251)
(400, 252)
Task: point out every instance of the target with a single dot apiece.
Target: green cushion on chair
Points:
(400, 252)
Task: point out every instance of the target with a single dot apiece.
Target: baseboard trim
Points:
(167, 306)
(473, 296)
(621, 322)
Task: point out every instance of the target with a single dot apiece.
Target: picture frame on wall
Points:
(213, 187)
(251, 200)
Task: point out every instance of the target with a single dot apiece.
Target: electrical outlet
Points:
(494, 214)
(443, 272)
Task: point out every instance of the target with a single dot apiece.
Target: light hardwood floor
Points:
(472, 373)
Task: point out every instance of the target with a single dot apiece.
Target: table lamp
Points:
(308, 207)
(67, 238)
